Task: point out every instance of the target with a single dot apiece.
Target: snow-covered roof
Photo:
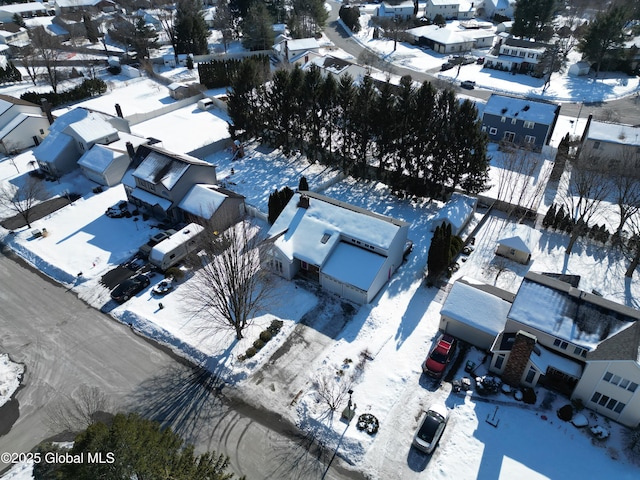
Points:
(445, 2)
(165, 168)
(176, 85)
(344, 257)
(457, 211)
(614, 133)
(516, 243)
(476, 308)
(24, 7)
(98, 158)
(446, 36)
(77, 3)
(523, 109)
(52, 146)
(423, 30)
(178, 238)
(92, 128)
(400, 5)
(203, 200)
(301, 44)
(543, 358)
(310, 234)
(556, 308)
(151, 199)
(17, 120)
(121, 143)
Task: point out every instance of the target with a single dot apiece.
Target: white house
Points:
(404, 9)
(287, 49)
(516, 55)
(338, 67)
(25, 10)
(348, 250)
(450, 9)
(22, 124)
(489, 8)
(457, 212)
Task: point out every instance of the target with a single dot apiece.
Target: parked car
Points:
(468, 84)
(440, 356)
(446, 66)
(164, 287)
(431, 428)
(130, 287)
(118, 210)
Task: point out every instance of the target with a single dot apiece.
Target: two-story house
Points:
(403, 10)
(555, 335)
(450, 9)
(610, 147)
(516, 55)
(73, 134)
(348, 250)
(519, 122)
(162, 178)
(25, 10)
(287, 49)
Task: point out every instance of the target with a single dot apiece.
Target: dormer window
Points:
(325, 238)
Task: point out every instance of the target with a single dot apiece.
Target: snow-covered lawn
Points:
(10, 374)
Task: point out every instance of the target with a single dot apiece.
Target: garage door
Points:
(344, 290)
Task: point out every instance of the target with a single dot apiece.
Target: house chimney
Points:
(518, 358)
(130, 150)
(119, 110)
(586, 128)
(46, 108)
(304, 201)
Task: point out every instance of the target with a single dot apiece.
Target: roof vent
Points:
(303, 202)
(525, 108)
(504, 110)
(325, 238)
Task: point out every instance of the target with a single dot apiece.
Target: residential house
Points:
(161, 179)
(552, 334)
(66, 6)
(519, 122)
(576, 342)
(610, 147)
(490, 8)
(516, 55)
(450, 9)
(475, 312)
(338, 67)
(25, 10)
(349, 251)
(450, 40)
(212, 205)
(107, 164)
(71, 22)
(403, 10)
(14, 36)
(457, 212)
(287, 49)
(22, 124)
(73, 134)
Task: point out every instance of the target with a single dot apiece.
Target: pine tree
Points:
(257, 30)
(549, 216)
(532, 19)
(190, 28)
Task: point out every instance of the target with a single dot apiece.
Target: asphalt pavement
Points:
(65, 344)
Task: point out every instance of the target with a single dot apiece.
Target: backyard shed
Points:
(514, 248)
(580, 68)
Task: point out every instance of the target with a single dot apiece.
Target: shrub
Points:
(266, 335)
(258, 344)
(565, 413)
(529, 396)
(174, 272)
(250, 352)
(275, 326)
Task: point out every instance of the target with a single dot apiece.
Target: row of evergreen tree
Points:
(414, 138)
(559, 219)
(218, 73)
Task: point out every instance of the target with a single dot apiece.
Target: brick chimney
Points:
(520, 352)
(304, 201)
(130, 150)
(119, 110)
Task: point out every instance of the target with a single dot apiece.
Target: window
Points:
(607, 376)
(624, 383)
(560, 343)
(632, 387)
(499, 361)
(531, 374)
(615, 380)
(503, 119)
(529, 124)
(304, 265)
(596, 145)
(493, 131)
(41, 131)
(603, 400)
(529, 55)
(619, 407)
(484, 128)
(529, 139)
(513, 121)
(509, 136)
(521, 54)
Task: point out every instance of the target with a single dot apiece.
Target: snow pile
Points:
(10, 376)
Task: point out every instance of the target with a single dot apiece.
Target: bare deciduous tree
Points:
(76, 412)
(230, 286)
(581, 192)
(47, 47)
(22, 199)
(332, 390)
(30, 62)
(626, 192)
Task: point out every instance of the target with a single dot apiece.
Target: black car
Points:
(468, 84)
(129, 288)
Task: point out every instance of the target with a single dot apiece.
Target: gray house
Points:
(519, 122)
(163, 178)
(212, 205)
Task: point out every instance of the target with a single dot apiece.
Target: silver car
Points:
(431, 428)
